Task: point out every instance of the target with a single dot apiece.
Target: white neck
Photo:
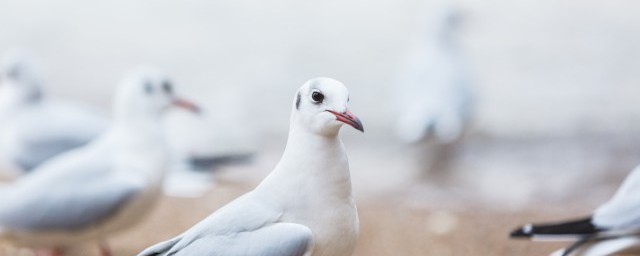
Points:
(9, 102)
(313, 165)
(141, 148)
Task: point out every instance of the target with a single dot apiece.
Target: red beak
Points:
(188, 105)
(348, 118)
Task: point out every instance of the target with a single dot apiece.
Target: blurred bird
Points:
(108, 185)
(191, 176)
(612, 228)
(197, 155)
(34, 127)
(304, 207)
(433, 86)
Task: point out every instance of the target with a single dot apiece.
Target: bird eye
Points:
(167, 87)
(317, 97)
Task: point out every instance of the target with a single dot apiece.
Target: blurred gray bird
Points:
(34, 127)
(197, 155)
(191, 176)
(106, 186)
(433, 89)
(613, 228)
(304, 207)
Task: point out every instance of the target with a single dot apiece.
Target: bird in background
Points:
(614, 227)
(304, 206)
(434, 88)
(34, 127)
(108, 185)
(25, 109)
(197, 155)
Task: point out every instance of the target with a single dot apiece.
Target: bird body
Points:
(89, 194)
(434, 92)
(69, 126)
(304, 206)
(613, 227)
(623, 210)
(25, 110)
(316, 168)
(106, 186)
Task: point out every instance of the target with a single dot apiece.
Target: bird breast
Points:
(334, 225)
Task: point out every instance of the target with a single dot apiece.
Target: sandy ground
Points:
(488, 188)
(387, 228)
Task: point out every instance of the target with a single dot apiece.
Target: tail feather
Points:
(576, 229)
(211, 162)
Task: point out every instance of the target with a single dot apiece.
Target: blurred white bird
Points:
(433, 85)
(90, 192)
(613, 227)
(191, 176)
(304, 207)
(34, 127)
(197, 155)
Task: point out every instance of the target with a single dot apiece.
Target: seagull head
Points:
(320, 105)
(21, 77)
(148, 93)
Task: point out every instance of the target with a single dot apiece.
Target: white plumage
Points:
(304, 207)
(614, 227)
(434, 95)
(88, 193)
(35, 127)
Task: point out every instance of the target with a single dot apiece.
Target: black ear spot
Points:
(298, 101)
(167, 87)
(148, 87)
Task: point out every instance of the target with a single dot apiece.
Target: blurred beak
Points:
(348, 118)
(188, 105)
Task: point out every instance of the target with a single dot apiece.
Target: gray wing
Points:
(36, 152)
(67, 127)
(279, 239)
(69, 206)
(69, 192)
(623, 210)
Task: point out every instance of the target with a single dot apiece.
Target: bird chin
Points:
(329, 129)
(334, 127)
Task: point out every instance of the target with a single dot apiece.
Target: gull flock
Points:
(79, 177)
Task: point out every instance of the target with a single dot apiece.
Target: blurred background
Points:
(553, 130)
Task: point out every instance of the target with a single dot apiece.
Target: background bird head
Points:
(20, 77)
(147, 94)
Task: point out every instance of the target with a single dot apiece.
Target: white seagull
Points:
(90, 192)
(34, 127)
(433, 86)
(304, 207)
(613, 227)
